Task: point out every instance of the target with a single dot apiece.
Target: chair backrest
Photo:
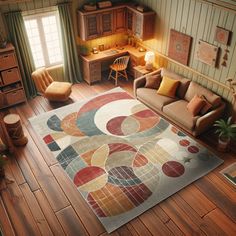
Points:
(122, 61)
(42, 79)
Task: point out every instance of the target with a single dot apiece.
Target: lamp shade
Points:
(149, 57)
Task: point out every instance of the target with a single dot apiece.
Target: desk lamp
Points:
(149, 58)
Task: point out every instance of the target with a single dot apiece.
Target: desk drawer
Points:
(10, 76)
(15, 97)
(7, 60)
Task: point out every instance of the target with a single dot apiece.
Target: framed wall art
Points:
(179, 46)
(207, 53)
(222, 35)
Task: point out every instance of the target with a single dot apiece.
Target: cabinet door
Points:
(130, 21)
(138, 26)
(106, 23)
(119, 20)
(92, 26)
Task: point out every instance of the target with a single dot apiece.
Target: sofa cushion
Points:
(153, 81)
(195, 105)
(206, 107)
(184, 83)
(195, 88)
(168, 87)
(150, 97)
(178, 112)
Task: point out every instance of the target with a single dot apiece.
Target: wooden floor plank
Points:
(208, 229)
(27, 172)
(48, 213)
(219, 198)
(15, 169)
(45, 178)
(197, 200)
(36, 210)
(5, 223)
(140, 227)
(85, 213)
(154, 224)
(222, 221)
(174, 228)
(18, 211)
(71, 222)
(180, 218)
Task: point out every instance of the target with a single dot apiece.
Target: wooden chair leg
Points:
(125, 75)
(110, 74)
(116, 77)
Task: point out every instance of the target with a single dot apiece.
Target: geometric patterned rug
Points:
(123, 157)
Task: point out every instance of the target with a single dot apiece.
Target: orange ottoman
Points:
(58, 91)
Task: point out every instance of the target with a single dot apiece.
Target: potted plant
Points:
(3, 40)
(3, 160)
(227, 131)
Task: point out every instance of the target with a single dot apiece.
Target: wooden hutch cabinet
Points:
(11, 86)
(116, 19)
(119, 20)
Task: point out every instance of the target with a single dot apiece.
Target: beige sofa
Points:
(175, 109)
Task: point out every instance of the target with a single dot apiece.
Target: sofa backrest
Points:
(195, 88)
(183, 85)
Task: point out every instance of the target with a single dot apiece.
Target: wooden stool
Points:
(14, 129)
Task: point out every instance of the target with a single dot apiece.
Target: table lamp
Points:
(149, 58)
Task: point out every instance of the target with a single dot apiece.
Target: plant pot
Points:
(223, 144)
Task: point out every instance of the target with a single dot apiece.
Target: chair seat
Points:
(58, 91)
(118, 67)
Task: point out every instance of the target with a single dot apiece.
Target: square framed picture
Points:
(207, 53)
(179, 46)
(222, 35)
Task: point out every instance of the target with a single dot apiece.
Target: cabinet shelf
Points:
(11, 86)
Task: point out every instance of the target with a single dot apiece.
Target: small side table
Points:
(14, 129)
(140, 71)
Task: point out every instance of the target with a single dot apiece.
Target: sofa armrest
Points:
(140, 82)
(208, 119)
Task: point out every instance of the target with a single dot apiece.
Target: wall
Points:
(199, 20)
(192, 17)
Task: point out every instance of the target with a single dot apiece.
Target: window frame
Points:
(38, 17)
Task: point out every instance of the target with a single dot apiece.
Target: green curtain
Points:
(71, 61)
(19, 39)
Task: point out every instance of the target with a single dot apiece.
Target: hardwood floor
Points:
(37, 198)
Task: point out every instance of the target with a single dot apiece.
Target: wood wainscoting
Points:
(37, 197)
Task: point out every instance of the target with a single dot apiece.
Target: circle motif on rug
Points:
(173, 169)
(193, 149)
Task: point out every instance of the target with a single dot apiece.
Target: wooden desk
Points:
(92, 64)
(141, 70)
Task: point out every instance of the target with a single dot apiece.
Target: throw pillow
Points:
(195, 105)
(153, 81)
(168, 87)
(206, 107)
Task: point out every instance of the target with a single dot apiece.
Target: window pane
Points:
(35, 43)
(52, 39)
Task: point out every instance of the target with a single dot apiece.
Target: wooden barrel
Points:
(14, 129)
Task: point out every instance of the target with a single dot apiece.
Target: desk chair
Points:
(50, 89)
(119, 66)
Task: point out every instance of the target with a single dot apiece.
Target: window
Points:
(45, 43)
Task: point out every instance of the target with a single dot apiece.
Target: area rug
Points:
(122, 157)
(230, 173)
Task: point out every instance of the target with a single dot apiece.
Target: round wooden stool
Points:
(14, 129)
